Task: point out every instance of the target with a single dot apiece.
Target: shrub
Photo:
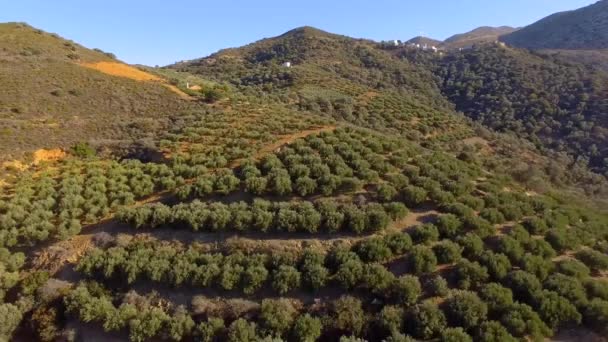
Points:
(82, 150)
(386, 192)
(492, 331)
(399, 243)
(447, 252)
(242, 331)
(472, 245)
(597, 288)
(596, 315)
(422, 260)
(277, 316)
(556, 310)
(349, 274)
(373, 250)
(522, 321)
(449, 226)
(573, 268)
(390, 319)
(523, 284)
(537, 266)
(425, 233)
(285, 279)
(593, 259)
(307, 328)
(568, 287)
(535, 225)
(498, 264)
(425, 321)
(493, 215)
(465, 309)
(470, 274)
(413, 196)
(407, 289)
(497, 297)
(438, 286)
(455, 335)
(348, 315)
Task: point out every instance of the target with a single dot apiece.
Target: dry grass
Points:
(127, 71)
(43, 155)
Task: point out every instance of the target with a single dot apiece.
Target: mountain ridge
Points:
(584, 28)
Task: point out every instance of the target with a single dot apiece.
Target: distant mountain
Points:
(424, 40)
(585, 28)
(484, 34)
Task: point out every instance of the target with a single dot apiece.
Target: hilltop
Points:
(584, 28)
(480, 35)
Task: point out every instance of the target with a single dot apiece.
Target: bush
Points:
(438, 286)
(349, 274)
(465, 309)
(449, 226)
(307, 328)
(596, 315)
(537, 266)
(573, 268)
(386, 192)
(83, 150)
(523, 284)
(399, 243)
(493, 215)
(556, 310)
(390, 320)
(472, 246)
(425, 233)
(597, 288)
(568, 287)
(536, 226)
(373, 250)
(406, 290)
(347, 315)
(593, 259)
(285, 279)
(498, 264)
(425, 321)
(413, 196)
(447, 252)
(455, 335)
(422, 260)
(497, 297)
(242, 331)
(492, 331)
(277, 316)
(522, 321)
(470, 274)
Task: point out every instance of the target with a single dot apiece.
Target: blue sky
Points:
(158, 32)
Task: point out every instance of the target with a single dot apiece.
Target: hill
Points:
(56, 93)
(480, 35)
(424, 40)
(584, 28)
(335, 198)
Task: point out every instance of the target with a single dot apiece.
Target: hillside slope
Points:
(585, 28)
(56, 92)
(484, 34)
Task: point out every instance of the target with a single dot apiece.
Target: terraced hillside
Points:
(342, 198)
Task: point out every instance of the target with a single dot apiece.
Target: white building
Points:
(287, 64)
